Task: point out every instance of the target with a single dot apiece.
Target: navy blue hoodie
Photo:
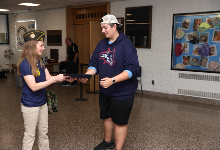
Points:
(111, 60)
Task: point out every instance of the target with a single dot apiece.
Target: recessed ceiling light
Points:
(4, 10)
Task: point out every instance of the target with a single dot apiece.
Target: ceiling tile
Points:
(13, 6)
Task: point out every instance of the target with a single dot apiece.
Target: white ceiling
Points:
(13, 6)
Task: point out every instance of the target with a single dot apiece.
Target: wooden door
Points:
(96, 35)
(82, 39)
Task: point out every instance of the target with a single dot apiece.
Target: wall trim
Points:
(181, 97)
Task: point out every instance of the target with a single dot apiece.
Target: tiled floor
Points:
(155, 123)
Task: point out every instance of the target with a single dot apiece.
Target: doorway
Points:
(84, 27)
(86, 37)
(81, 38)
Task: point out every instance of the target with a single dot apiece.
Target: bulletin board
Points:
(196, 42)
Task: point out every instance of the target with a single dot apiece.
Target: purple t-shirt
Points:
(28, 97)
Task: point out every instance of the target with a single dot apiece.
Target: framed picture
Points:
(22, 27)
(54, 37)
(121, 21)
(196, 42)
(54, 54)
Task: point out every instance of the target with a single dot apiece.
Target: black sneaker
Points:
(105, 145)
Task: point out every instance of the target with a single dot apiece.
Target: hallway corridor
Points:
(155, 123)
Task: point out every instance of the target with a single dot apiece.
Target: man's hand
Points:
(83, 80)
(106, 82)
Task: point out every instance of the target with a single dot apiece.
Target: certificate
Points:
(88, 76)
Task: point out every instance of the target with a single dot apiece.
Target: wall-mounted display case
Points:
(138, 23)
(196, 42)
(4, 29)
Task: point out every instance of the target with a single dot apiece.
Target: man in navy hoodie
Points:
(115, 60)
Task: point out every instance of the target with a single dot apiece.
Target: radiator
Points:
(205, 85)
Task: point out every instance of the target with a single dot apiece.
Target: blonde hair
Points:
(29, 52)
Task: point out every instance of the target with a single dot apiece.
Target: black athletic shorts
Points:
(118, 110)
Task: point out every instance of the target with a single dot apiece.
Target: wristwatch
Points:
(113, 80)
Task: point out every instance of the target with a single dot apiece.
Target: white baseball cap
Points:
(109, 19)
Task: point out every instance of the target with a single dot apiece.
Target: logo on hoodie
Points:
(108, 56)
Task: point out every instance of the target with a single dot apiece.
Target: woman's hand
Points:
(61, 77)
(106, 82)
(58, 78)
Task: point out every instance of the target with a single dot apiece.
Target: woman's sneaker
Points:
(105, 145)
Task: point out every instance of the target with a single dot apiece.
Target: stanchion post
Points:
(94, 91)
(81, 99)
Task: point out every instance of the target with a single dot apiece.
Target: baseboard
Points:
(180, 97)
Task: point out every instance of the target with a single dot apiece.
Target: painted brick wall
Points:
(54, 19)
(156, 61)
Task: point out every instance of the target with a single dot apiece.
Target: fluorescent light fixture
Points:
(25, 3)
(29, 4)
(4, 10)
(129, 14)
(33, 5)
(130, 20)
